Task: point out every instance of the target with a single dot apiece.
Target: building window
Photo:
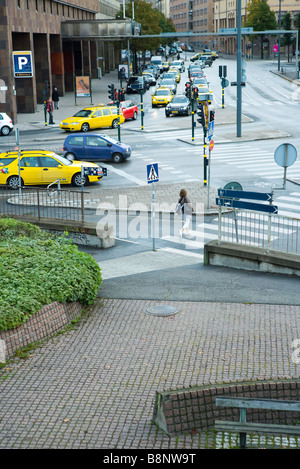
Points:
(37, 5)
(19, 3)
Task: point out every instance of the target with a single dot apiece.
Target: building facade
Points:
(196, 16)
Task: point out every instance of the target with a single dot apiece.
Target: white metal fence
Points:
(270, 231)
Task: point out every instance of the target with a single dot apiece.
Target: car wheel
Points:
(77, 180)
(70, 156)
(117, 158)
(13, 182)
(167, 115)
(85, 127)
(5, 130)
(114, 123)
(135, 115)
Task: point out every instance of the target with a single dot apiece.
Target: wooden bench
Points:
(243, 427)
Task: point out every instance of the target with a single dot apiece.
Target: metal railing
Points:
(38, 204)
(269, 231)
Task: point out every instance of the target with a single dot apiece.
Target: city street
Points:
(94, 386)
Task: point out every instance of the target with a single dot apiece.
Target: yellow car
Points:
(94, 117)
(203, 93)
(176, 73)
(166, 66)
(38, 167)
(162, 96)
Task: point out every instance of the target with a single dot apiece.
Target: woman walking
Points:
(186, 210)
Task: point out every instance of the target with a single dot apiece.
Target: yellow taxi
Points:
(162, 96)
(93, 117)
(177, 74)
(39, 167)
(204, 93)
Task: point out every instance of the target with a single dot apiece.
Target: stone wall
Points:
(195, 408)
(50, 319)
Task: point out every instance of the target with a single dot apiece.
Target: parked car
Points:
(180, 105)
(39, 167)
(6, 124)
(169, 83)
(93, 117)
(95, 147)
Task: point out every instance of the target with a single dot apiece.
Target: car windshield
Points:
(110, 139)
(180, 99)
(6, 161)
(61, 159)
(162, 92)
(167, 82)
(83, 113)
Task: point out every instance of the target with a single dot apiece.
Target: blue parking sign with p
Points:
(22, 64)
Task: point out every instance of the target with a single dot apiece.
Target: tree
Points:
(286, 24)
(260, 17)
(149, 19)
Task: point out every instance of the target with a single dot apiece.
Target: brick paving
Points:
(94, 386)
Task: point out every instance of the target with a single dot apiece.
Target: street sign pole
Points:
(18, 147)
(239, 69)
(152, 177)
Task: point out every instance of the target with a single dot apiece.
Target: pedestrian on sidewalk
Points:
(186, 210)
(55, 98)
(50, 111)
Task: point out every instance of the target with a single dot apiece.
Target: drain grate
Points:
(162, 310)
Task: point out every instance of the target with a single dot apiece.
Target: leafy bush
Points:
(37, 268)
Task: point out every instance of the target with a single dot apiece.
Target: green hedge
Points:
(37, 268)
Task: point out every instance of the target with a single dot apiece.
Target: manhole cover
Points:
(162, 310)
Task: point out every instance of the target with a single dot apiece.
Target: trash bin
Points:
(99, 73)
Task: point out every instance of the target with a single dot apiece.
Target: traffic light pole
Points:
(204, 157)
(193, 120)
(142, 111)
(119, 126)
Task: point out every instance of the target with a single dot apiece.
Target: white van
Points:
(157, 60)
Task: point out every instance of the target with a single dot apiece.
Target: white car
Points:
(6, 124)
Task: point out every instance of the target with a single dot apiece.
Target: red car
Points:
(129, 109)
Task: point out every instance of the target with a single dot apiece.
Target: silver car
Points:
(169, 83)
(6, 124)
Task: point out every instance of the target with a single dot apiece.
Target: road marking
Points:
(125, 175)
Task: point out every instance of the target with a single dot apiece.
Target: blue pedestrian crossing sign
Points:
(152, 173)
(22, 61)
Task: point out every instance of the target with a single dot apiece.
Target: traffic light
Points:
(188, 90)
(121, 95)
(200, 114)
(211, 116)
(195, 92)
(111, 92)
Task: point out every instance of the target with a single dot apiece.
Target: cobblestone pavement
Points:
(94, 386)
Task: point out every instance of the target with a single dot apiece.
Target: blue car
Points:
(95, 147)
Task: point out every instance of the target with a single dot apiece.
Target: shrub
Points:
(37, 268)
